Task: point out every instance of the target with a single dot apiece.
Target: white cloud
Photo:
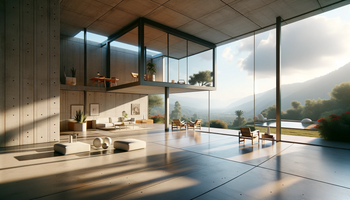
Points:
(227, 54)
(311, 47)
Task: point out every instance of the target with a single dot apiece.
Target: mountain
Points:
(319, 87)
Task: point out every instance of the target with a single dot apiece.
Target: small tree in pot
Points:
(80, 117)
(151, 68)
(71, 80)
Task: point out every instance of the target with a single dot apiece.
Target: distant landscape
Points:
(318, 88)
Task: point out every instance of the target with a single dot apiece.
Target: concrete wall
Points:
(111, 104)
(29, 70)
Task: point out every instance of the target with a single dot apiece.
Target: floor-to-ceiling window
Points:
(232, 104)
(314, 72)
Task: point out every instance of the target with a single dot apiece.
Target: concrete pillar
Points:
(166, 108)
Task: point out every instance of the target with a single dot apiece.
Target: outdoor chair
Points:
(246, 133)
(177, 124)
(134, 76)
(196, 124)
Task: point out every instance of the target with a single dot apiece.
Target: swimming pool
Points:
(285, 124)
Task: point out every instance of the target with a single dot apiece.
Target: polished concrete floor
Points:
(176, 165)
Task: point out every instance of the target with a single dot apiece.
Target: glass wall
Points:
(156, 44)
(314, 73)
(124, 58)
(232, 104)
(265, 80)
(189, 63)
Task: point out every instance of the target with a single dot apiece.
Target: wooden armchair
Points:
(246, 133)
(196, 124)
(177, 124)
(134, 76)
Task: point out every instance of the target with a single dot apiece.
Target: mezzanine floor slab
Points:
(176, 165)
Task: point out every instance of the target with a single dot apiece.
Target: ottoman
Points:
(69, 148)
(129, 144)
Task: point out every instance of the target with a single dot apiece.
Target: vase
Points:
(79, 126)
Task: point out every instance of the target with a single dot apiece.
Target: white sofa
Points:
(102, 123)
(111, 122)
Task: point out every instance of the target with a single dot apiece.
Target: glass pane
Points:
(124, 58)
(232, 104)
(177, 52)
(265, 80)
(156, 53)
(315, 75)
(200, 65)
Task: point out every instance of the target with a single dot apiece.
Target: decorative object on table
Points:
(151, 68)
(94, 109)
(107, 140)
(98, 73)
(74, 108)
(97, 142)
(268, 131)
(172, 81)
(105, 145)
(135, 109)
(72, 80)
(80, 119)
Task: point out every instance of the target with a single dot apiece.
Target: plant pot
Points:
(71, 80)
(79, 126)
(150, 77)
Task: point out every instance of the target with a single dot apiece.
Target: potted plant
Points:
(72, 80)
(125, 115)
(80, 119)
(151, 68)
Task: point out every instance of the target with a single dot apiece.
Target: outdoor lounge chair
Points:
(194, 125)
(177, 124)
(246, 133)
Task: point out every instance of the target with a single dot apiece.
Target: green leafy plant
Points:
(151, 68)
(80, 117)
(335, 127)
(125, 115)
(73, 70)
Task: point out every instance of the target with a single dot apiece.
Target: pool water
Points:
(284, 124)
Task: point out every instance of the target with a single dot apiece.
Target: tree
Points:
(194, 117)
(176, 113)
(153, 102)
(239, 121)
(203, 78)
(341, 93)
(295, 112)
(270, 112)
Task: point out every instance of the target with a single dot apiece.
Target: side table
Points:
(268, 137)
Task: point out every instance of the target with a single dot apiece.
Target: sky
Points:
(311, 48)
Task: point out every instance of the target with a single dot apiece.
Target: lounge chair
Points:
(177, 124)
(246, 133)
(134, 76)
(196, 124)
